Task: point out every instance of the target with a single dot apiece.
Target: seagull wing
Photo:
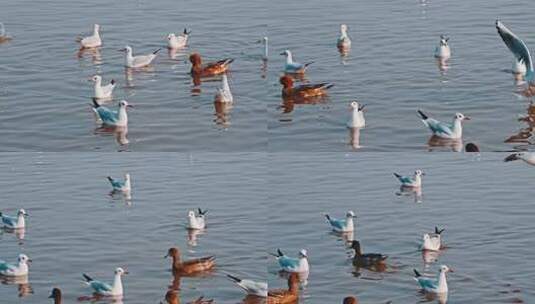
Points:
(516, 46)
(100, 287)
(288, 263)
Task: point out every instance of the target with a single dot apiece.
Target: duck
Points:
(527, 157)
(342, 225)
(189, 267)
(112, 118)
(350, 300)
(18, 222)
(210, 69)
(285, 296)
(92, 41)
(443, 51)
(438, 285)
(56, 295)
(178, 41)
(445, 130)
(471, 147)
(288, 264)
(15, 270)
(171, 297)
(304, 90)
(196, 221)
(343, 41)
(223, 94)
(139, 61)
(121, 186)
(366, 259)
(411, 181)
(100, 91)
(522, 63)
(432, 241)
(357, 116)
(253, 288)
(104, 289)
(293, 67)
(3, 36)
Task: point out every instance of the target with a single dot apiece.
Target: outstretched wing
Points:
(515, 45)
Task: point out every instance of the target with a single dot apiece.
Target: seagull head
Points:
(127, 49)
(96, 78)
(125, 104)
(120, 271)
(265, 40)
(426, 236)
(419, 173)
(303, 254)
(350, 214)
(286, 53)
(445, 269)
(171, 36)
(191, 214)
(22, 212)
(444, 40)
(343, 28)
(96, 27)
(461, 117)
(24, 259)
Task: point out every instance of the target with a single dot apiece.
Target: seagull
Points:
(12, 222)
(105, 289)
(293, 67)
(408, 181)
(253, 288)
(523, 62)
(223, 93)
(288, 264)
(438, 285)
(11, 270)
(432, 241)
(178, 41)
(342, 225)
(196, 221)
(265, 42)
(357, 116)
(137, 61)
(121, 186)
(92, 41)
(343, 41)
(366, 259)
(445, 130)
(527, 157)
(100, 91)
(112, 118)
(443, 51)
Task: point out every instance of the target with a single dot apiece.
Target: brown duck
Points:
(189, 267)
(199, 69)
(285, 296)
(304, 90)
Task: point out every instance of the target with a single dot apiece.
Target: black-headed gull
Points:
(105, 289)
(102, 91)
(356, 119)
(137, 61)
(438, 285)
(178, 41)
(444, 130)
(443, 51)
(92, 41)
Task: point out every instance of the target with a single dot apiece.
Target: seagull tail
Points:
(95, 103)
(156, 52)
(422, 115)
(329, 85)
(113, 81)
(110, 179)
(201, 212)
(186, 31)
(233, 278)
(417, 273)
(79, 39)
(439, 231)
(511, 157)
(308, 63)
(327, 217)
(397, 175)
(87, 278)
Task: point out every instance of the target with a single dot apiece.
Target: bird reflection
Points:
(23, 285)
(288, 103)
(192, 236)
(354, 138)
(529, 91)
(303, 277)
(435, 142)
(19, 233)
(347, 237)
(129, 74)
(411, 191)
(176, 53)
(97, 298)
(120, 133)
(264, 68)
(344, 53)
(173, 297)
(524, 135)
(441, 298)
(443, 66)
(251, 299)
(222, 113)
(430, 257)
(95, 54)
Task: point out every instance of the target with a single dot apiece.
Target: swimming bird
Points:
(92, 41)
(527, 157)
(408, 181)
(56, 295)
(198, 69)
(343, 41)
(445, 130)
(15, 270)
(112, 118)
(191, 266)
(357, 116)
(223, 93)
(196, 221)
(299, 264)
(104, 289)
(471, 147)
(251, 287)
(171, 297)
(443, 51)
(293, 67)
(3, 36)
(304, 90)
(285, 296)
(523, 62)
(350, 300)
(265, 42)
(178, 41)
(342, 225)
(18, 222)
(121, 186)
(137, 61)
(366, 259)
(432, 241)
(438, 285)
(100, 91)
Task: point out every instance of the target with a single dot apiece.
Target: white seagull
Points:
(443, 51)
(12, 222)
(178, 41)
(432, 241)
(100, 91)
(259, 289)
(137, 61)
(357, 116)
(343, 41)
(121, 186)
(105, 289)
(15, 270)
(445, 130)
(223, 93)
(408, 181)
(196, 221)
(292, 66)
(342, 225)
(299, 264)
(265, 41)
(112, 118)
(92, 41)
(438, 285)
(523, 63)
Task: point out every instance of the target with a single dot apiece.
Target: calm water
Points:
(44, 93)
(75, 227)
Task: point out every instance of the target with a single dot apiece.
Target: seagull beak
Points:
(282, 53)
(166, 256)
(121, 50)
(30, 261)
(129, 106)
(467, 118)
(126, 272)
(450, 270)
